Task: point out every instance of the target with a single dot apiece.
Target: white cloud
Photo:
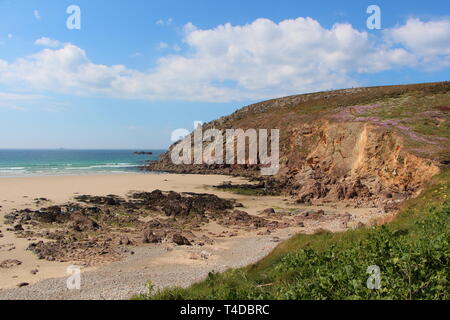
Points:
(21, 101)
(14, 101)
(12, 106)
(428, 41)
(37, 14)
(19, 96)
(259, 60)
(163, 45)
(167, 22)
(63, 70)
(47, 42)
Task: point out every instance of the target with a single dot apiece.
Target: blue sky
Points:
(137, 70)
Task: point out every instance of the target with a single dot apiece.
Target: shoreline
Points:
(78, 174)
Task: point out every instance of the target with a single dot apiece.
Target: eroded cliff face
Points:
(357, 162)
(366, 146)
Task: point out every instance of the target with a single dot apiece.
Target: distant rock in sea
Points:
(143, 153)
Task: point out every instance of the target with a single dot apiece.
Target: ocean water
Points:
(22, 163)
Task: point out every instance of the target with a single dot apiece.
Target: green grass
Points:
(249, 192)
(412, 253)
(410, 108)
(432, 128)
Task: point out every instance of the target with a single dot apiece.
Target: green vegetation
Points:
(412, 253)
(432, 127)
(411, 109)
(250, 192)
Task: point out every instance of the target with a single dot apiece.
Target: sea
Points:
(24, 163)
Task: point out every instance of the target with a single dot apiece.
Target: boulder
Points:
(80, 222)
(153, 237)
(269, 211)
(180, 240)
(7, 264)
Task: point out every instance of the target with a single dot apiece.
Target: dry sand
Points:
(165, 266)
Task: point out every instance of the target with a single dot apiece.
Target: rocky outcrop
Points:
(180, 240)
(98, 229)
(365, 146)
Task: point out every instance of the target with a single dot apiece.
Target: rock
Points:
(7, 264)
(10, 218)
(18, 227)
(269, 211)
(34, 271)
(311, 189)
(314, 215)
(260, 223)
(23, 284)
(81, 222)
(180, 240)
(240, 216)
(25, 218)
(125, 241)
(143, 153)
(176, 208)
(153, 237)
(154, 224)
(50, 215)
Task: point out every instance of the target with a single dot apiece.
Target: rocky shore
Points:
(100, 229)
(169, 237)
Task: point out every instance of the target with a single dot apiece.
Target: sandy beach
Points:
(163, 264)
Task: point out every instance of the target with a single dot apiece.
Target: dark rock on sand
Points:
(7, 264)
(23, 284)
(180, 240)
(269, 211)
(151, 236)
(18, 227)
(80, 222)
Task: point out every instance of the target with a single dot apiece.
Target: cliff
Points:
(375, 146)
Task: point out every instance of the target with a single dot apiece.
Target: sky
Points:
(135, 71)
